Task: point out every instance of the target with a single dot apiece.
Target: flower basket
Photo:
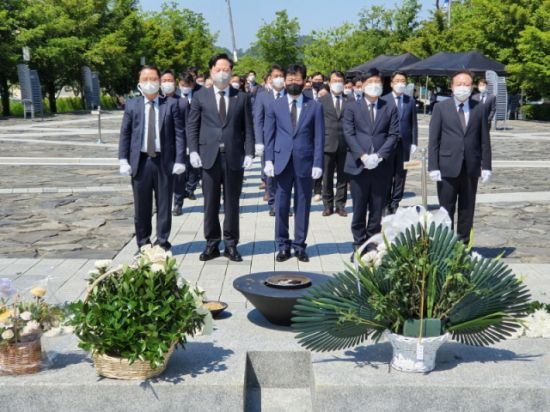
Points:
(413, 355)
(22, 357)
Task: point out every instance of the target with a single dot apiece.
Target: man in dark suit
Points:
(263, 100)
(488, 99)
(151, 150)
(335, 147)
(251, 87)
(459, 151)
(221, 141)
(408, 137)
(371, 130)
(294, 138)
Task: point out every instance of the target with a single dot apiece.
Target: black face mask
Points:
(294, 89)
(317, 86)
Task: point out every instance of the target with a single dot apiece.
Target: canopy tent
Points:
(446, 63)
(385, 64)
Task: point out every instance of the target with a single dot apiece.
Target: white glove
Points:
(365, 159)
(178, 169)
(195, 160)
(316, 173)
(435, 175)
(486, 176)
(269, 170)
(125, 168)
(247, 162)
(372, 161)
(413, 149)
(259, 149)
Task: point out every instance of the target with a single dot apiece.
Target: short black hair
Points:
(188, 77)
(167, 71)
(398, 73)
(484, 81)
(357, 79)
(193, 70)
(150, 67)
(463, 71)
(370, 73)
(337, 73)
(220, 56)
(276, 67)
(252, 71)
(318, 74)
(297, 68)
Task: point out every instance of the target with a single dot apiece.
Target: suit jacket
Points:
(450, 147)
(490, 101)
(334, 131)
(408, 123)
(171, 130)
(263, 100)
(304, 143)
(362, 137)
(205, 130)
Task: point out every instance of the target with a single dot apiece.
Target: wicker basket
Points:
(22, 357)
(120, 368)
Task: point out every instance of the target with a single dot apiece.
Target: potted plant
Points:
(420, 287)
(134, 316)
(21, 326)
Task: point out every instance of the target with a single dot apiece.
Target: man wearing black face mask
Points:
(294, 138)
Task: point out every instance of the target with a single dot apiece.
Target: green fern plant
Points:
(425, 273)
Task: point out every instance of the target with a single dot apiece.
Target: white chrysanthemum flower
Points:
(102, 264)
(541, 316)
(7, 334)
(475, 255)
(157, 267)
(31, 327)
(25, 315)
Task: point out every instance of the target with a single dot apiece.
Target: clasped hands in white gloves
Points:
(371, 161)
(486, 176)
(259, 148)
(269, 169)
(316, 173)
(247, 163)
(178, 169)
(195, 160)
(125, 168)
(435, 175)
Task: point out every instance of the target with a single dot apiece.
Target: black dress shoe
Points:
(391, 210)
(271, 211)
(209, 253)
(166, 245)
(232, 254)
(191, 196)
(282, 255)
(341, 212)
(177, 211)
(328, 211)
(301, 256)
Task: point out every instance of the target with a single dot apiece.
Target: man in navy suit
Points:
(151, 150)
(371, 130)
(408, 133)
(263, 100)
(294, 138)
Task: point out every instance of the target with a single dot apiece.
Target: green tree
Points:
(9, 49)
(247, 63)
(278, 41)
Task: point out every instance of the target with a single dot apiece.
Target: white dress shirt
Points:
(146, 124)
(299, 102)
(374, 104)
(466, 108)
(188, 97)
(335, 98)
(282, 91)
(226, 97)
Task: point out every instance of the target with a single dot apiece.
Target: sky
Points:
(248, 15)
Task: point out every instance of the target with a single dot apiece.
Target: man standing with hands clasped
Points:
(460, 151)
(371, 130)
(151, 150)
(221, 141)
(294, 139)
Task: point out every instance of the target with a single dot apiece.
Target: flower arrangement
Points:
(138, 312)
(537, 322)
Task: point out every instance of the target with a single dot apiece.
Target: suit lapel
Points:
(472, 103)
(365, 110)
(306, 104)
(233, 97)
(162, 112)
(214, 104)
(380, 108)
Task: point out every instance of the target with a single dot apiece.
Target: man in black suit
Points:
(335, 147)
(459, 151)
(221, 141)
(371, 130)
(488, 99)
(151, 150)
(408, 137)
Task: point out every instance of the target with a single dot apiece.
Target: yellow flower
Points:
(4, 315)
(38, 292)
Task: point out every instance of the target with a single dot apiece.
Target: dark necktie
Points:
(338, 106)
(462, 116)
(223, 111)
(371, 113)
(293, 114)
(278, 95)
(151, 130)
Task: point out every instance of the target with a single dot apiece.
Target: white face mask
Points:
(236, 85)
(251, 79)
(168, 87)
(278, 83)
(221, 79)
(347, 92)
(482, 89)
(186, 90)
(462, 93)
(337, 88)
(399, 88)
(149, 87)
(358, 92)
(373, 89)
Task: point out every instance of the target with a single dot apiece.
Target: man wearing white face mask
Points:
(459, 151)
(371, 130)
(408, 136)
(221, 141)
(486, 98)
(151, 151)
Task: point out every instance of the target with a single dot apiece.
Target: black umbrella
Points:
(446, 63)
